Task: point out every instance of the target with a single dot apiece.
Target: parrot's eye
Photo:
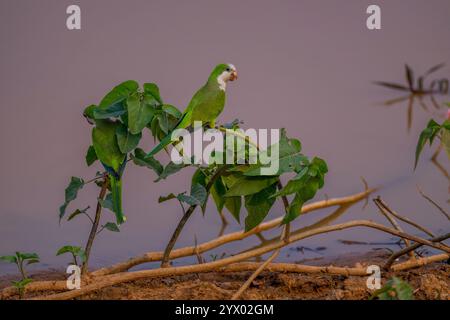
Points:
(228, 69)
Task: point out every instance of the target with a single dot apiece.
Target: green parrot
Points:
(206, 104)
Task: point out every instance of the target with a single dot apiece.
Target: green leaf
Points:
(166, 198)
(289, 157)
(65, 249)
(140, 112)
(31, 261)
(140, 159)
(250, 185)
(395, 289)
(199, 193)
(91, 156)
(171, 110)
(170, 169)
(107, 203)
(76, 213)
(28, 256)
(197, 198)
(71, 193)
(111, 226)
(126, 140)
(321, 164)
(153, 90)
(233, 205)
(105, 144)
(306, 192)
(218, 191)
(258, 206)
(301, 173)
(200, 178)
(113, 111)
(119, 93)
(22, 283)
(10, 259)
(428, 134)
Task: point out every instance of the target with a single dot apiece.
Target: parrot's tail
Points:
(116, 192)
(164, 143)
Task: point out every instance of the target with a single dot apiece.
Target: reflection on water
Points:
(421, 91)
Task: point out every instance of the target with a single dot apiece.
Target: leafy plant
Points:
(433, 130)
(20, 286)
(394, 289)
(21, 259)
(233, 186)
(119, 121)
(76, 252)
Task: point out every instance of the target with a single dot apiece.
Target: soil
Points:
(429, 282)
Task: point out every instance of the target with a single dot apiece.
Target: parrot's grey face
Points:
(228, 74)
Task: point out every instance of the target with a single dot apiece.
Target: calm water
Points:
(306, 66)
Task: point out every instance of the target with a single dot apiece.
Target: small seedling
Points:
(19, 259)
(20, 285)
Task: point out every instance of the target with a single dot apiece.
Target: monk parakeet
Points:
(206, 104)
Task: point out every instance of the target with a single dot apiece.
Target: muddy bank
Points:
(429, 282)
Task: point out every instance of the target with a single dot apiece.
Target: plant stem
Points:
(94, 228)
(187, 214)
(75, 259)
(21, 269)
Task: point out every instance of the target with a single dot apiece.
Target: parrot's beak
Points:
(233, 76)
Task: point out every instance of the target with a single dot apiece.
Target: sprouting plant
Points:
(76, 252)
(429, 134)
(394, 289)
(20, 285)
(417, 89)
(20, 259)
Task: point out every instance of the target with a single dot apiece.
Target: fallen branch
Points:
(392, 220)
(235, 236)
(411, 248)
(404, 219)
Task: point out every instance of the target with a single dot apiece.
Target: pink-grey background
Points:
(303, 65)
